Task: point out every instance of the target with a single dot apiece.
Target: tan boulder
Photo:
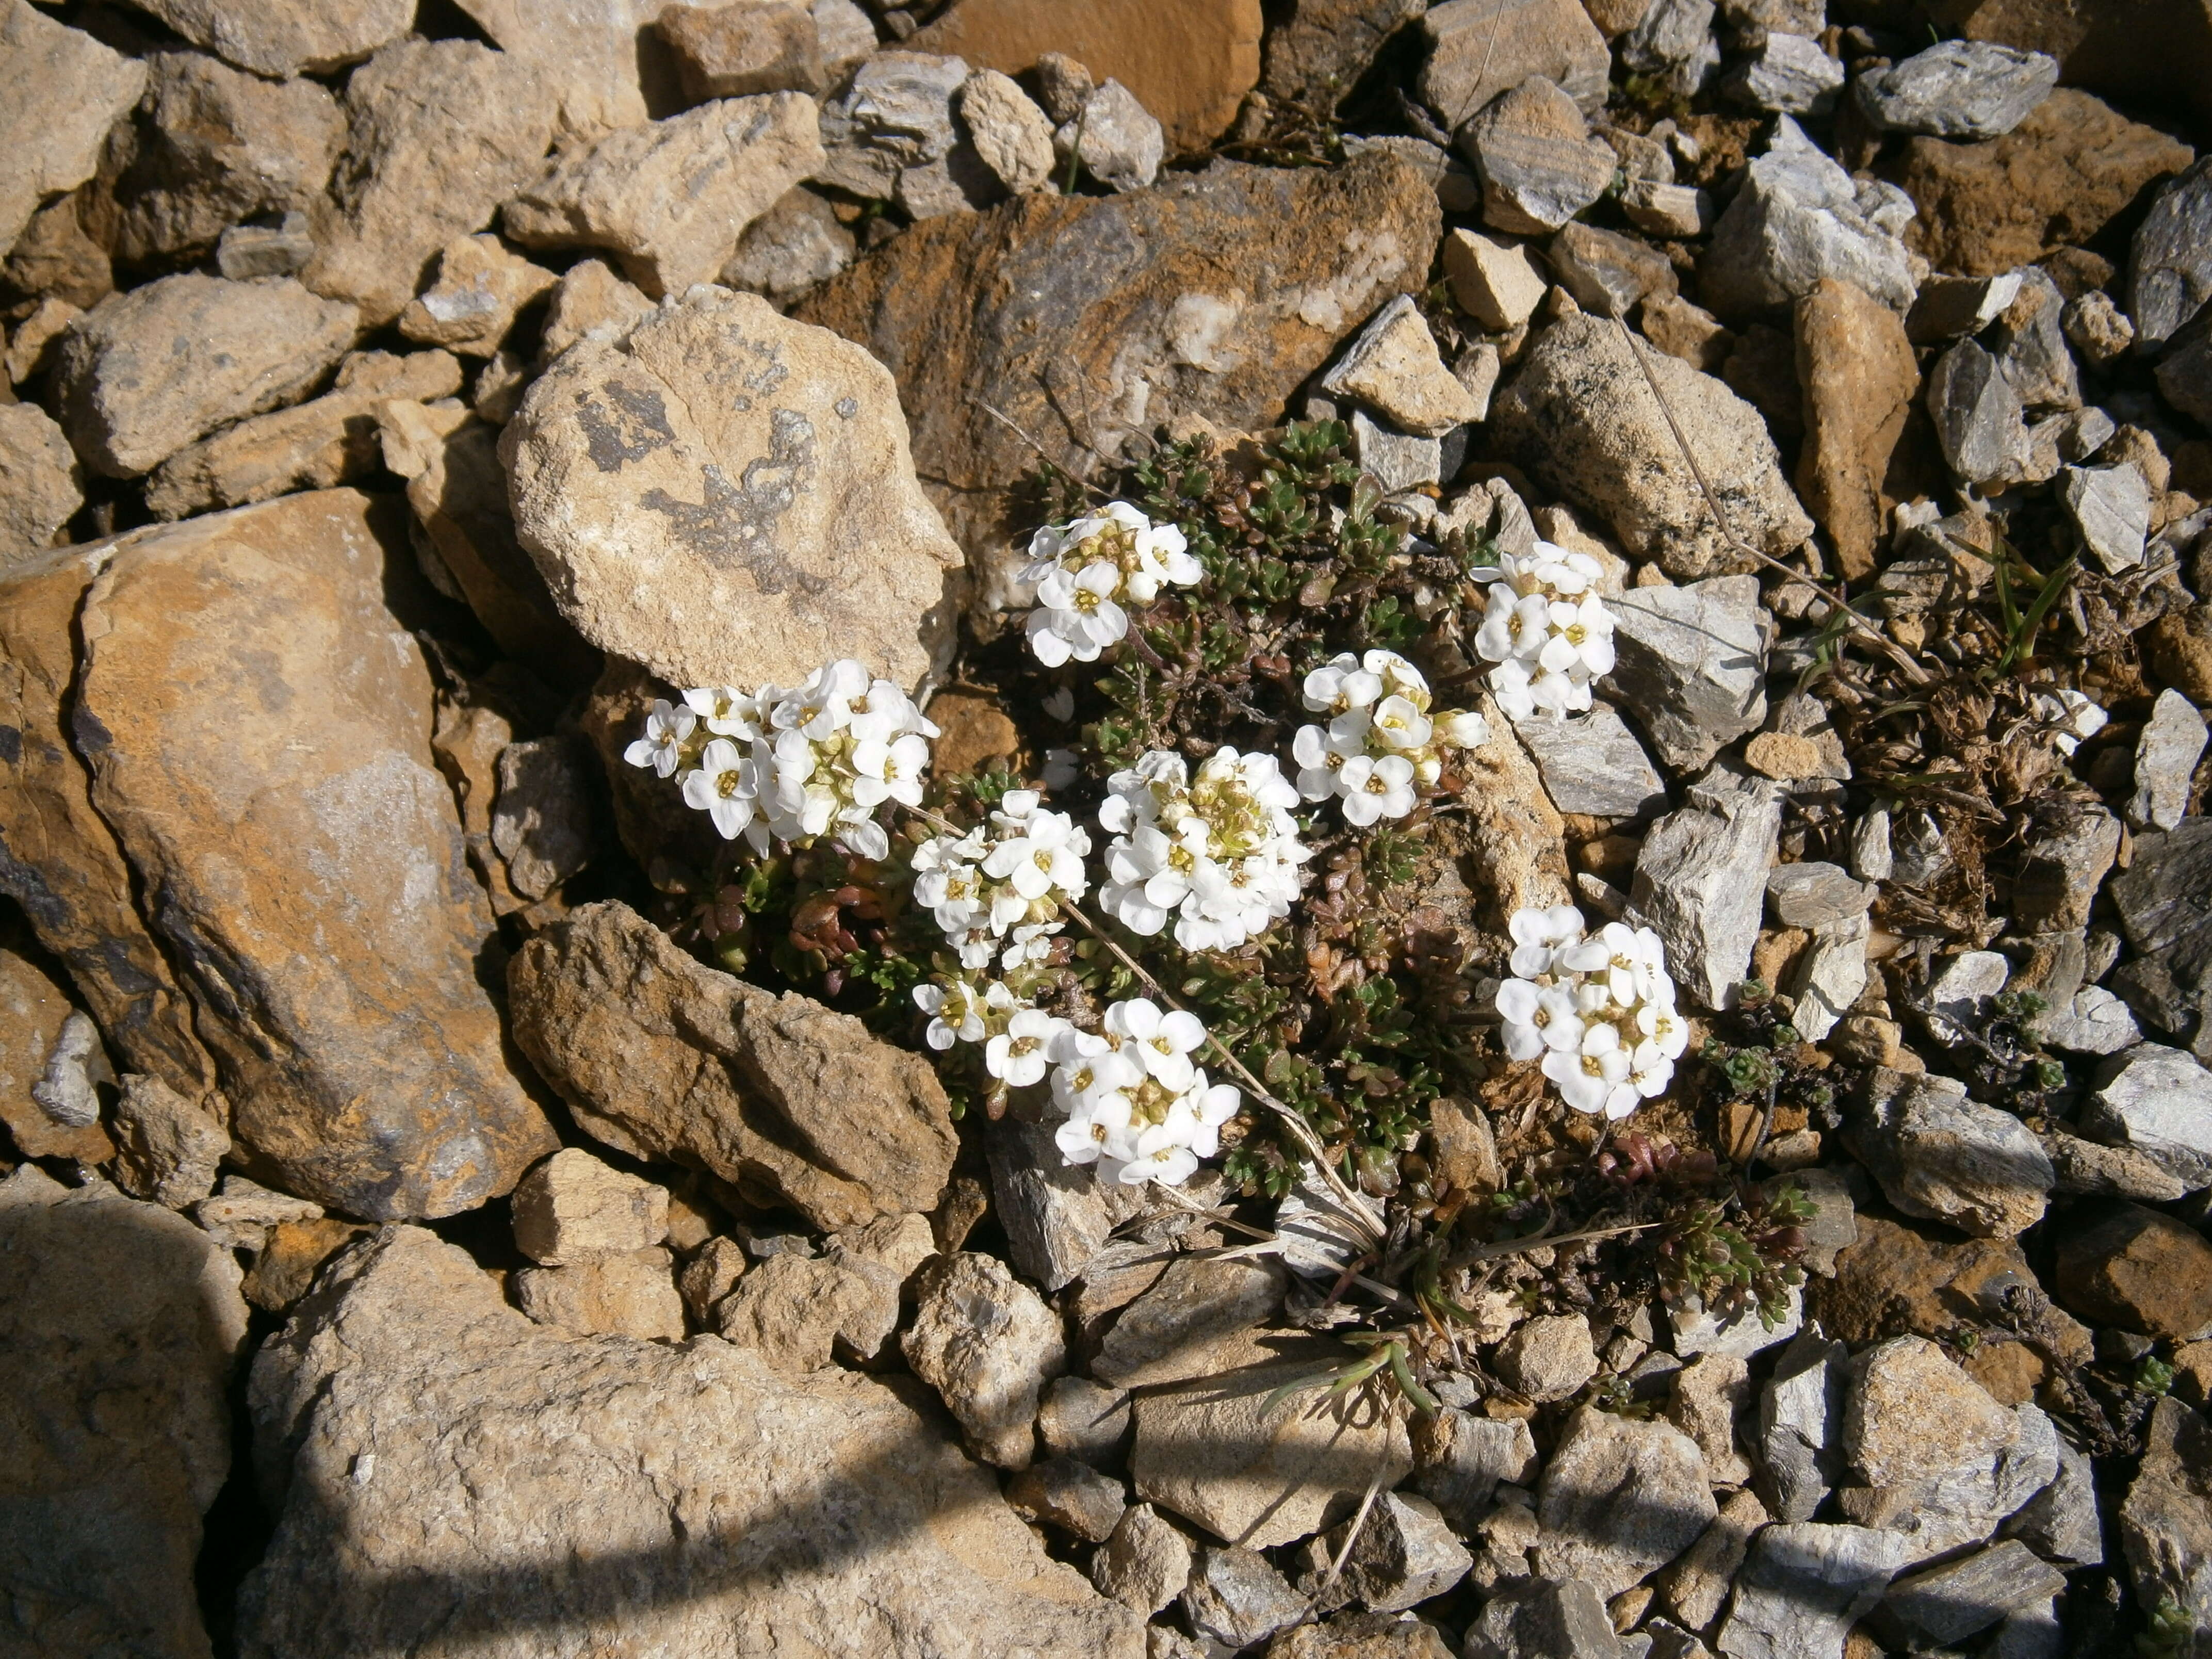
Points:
(573, 1208)
(632, 1294)
(281, 800)
(480, 287)
(284, 38)
(60, 91)
(599, 54)
(662, 1057)
(1860, 379)
(39, 486)
(726, 496)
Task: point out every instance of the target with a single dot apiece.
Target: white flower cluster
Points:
(1138, 1106)
(1085, 573)
(996, 889)
(1381, 745)
(1547, 629)
(1219, 852)
(1600, 1011)
(793, 764)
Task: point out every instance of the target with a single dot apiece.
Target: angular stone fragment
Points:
(670, 198)
(1081, 1418)
(2165, 1521)
(2184, 372)
(1710, 1394)
(1494, 283)
(1696, 1585)
(2139, 1269)
(1789, 73)
(1977, 416)
(571, 1208)
(717, 541)
(1114, 139)
(988, 1344)
(1581, 416)
(1675, 211)
(2061, 1523)
(1803, 1587)
(1461, 1459)
(1690, 663)
(736, 51)
(49, 1055)
(798, 1311)
(658, 1054)
(1012, 134)
(438, 134)
(120, 1324)
(1237, 1597)
(1392, 366)
(1815, 894)
(2166, 762)
(242, 1216)
(1800, 1427)
(1860, 377)
(130, 398)
(1167, 1334)
(1593, 764)
(797, 245)
(1958, 89)
(469, 308)
(1072, 1496)
(859, 1517)
(39, 484)
(1701, 881)
(1619, 1500)
(1947, 1604)
(211, 147)
(1547, 1358)
(1404, 1555)
(167, 1148)
(60, 91)
(1479, 50)
(1538, 164)
(1607, 272)
(895, 116)
(2170, 266)
(633, 1294)
(598, 56)
(1798, 218)
(280, 38)
(2156, 1101)
(246, 251)
(1544, 1619)
(2065, 852)
(1943, 1156)
(2111, 507)
(2029, 340)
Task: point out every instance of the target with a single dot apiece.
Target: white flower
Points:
(722, 788)
(1662, 1028)
(956, 1013)
(1379, 712)
(1340, 685)
(667, 728)
(1548, 629)
(1217, 852)
(1586, 1074)
(1046, 851)
(726, 711)
(1017, 1056)
(1539, 935)
(1597, 1010)
(1085, 572)
(1160, 1043)
(1376, 789)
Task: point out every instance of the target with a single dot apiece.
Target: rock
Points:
(798, 1311)
(120, 1324)
(1800, 1428)
(796, 246)
(670, 198)
(46, 1050)
(2156, 1101)
(1403, 1555)
(2096, 328)
(1978, 416)
(2111, 507)
(1958, 89)
(1361, 1636)
(1673, 41)
(211, 147)
(2158, 898)
(1064, 85)
(2165, 761)
(1012, 134)
(1804, 1585)
(1114, 139)
(279, 41)
(2061, 1523)
(1593, 765)
(317, 445)
(1619, 1500)
(1538, 164)
(1205, 1448)
(1457, 189)
(361, 1055)
(471, 304)
(2163, 1522)
(1057, 1216)
(1145, 1562)
(591, 302)
(2085, 1168)
(28, 352)
(242, 1216)
(600, 58)
(129, 399)
(1544, 1619)
(658, 1056)
(1943, 1156)
(1607, 272)
(2057, 178)
(60, 90)
(1070, 1495)
(1701, 881)
(40, 482)
(645, 573)
(1399, 461)
(1674, 211)
(1697, 1583)
(1237, 1597)
(1695, 1328)
(1948, 307)
(1709, 1393)
(736, 51)
(438, 134)
(1319, 48)
(1789, 73)
(1547, 1359)
(630, 1295)
(2065, 853)
(895, 116)
(1947, 1604)
(709, 1276)
(1478, 50)
(573, 1209)
(244, 251)
(1082, 1419)
(1860, 377)
(1581, 416)
(1799, 218)
(1460, 1459)
(1170, 1332)
(285, 1269)
(1895, 1280)
(167, 1148)
(543, 825)
(2030, 342)
(861, 1516)
(2170, 264)
(1815, 894)
(1494, 283)
(2139, 1269)
(2182, 375)
(1190, 67)
(988, 1344)
(1688, 331)
(1392, 366)
(1116, 348)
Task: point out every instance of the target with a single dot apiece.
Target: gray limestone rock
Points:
(1949, 308)
(1163, 1335)
(166, 1148)
(2159, 896)
(1479, 49)
(896, 114)
(2156, 1101)
(1815, 894)
(1547, 1357)
(1460, 1458)
(1115, 139)
(1619, 1500)
(988, 1344)
(1691, 663)
(2111, 507)
(1593, 764)
(1800, 217)
(1787, 73)
(1057, 1216)
(1830, 977)
(2165, 761)
(244, 251)
(1082, 1419)
(1947, 1604)
(1958, 89)
(1943, 1156)
(1237, 1597)
(2061, 1523)
(2165, 1521)
(1068, 1493)
(2066, 852)
(1607, 272)
(1012, 134)
(1404, 1554)
(1696, 1586)
(543, 822)
(2170, 266)
(1673, 40)
(1537, 163)
(1804, 1585)
(1978, 420)
(1144, 1563)
(2029, 340)
(1400, 461)
(60, 91)
(1393, 367)
(2093, 1021)
(794, 246)
(1701, 881)
(1544, 1619)
(1800, 1425)
(130, 398)
(2184, 375)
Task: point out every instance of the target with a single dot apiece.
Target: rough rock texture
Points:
(167, 1148)
(1538, 164)
(284, 38)
(1943, 1157)
(1958, 89)
(733, 51)
(1238, 1598)
(1689, 663)
(661, 1057)
(1618, 1500)
(1593, 764)
(2139, 1269)
(600, 55)
(1166, 1334)
(1860, 380)
(704, 496)
(1189, 65)
(1543, 1618)
(1701, 881)
(791, 248)
(2156, 1101)
(119, 1325)
(1012, 134)
(313, 888)
(1317, 50)
(1479, 50)
(50, 1060)
(670, 198)
(40, 482)
(1082, 347)
(1581, 416)
(1800, 217)
(1393, 367)
(130, 398)
(1803, 1587)
(631, 1294)
(534, 1491)
(988, 1344)
(60, 91)
(211, 146)
(2170, 266)
(1547, 1357)
(2163, 1524)
(573, 1208)
(480, 285)
(1494, 283)
(438, 134)
(2060, 176)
